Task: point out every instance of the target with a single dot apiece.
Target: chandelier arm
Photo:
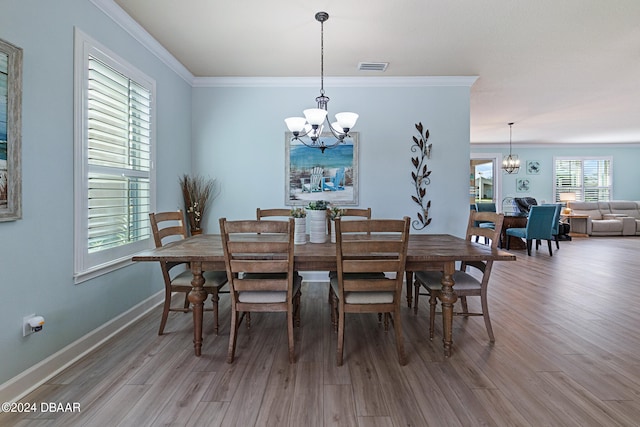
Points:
(339, 135)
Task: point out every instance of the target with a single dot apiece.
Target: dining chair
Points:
(539, 227)
(363, 247)
(167, 227)
(485, 207)
(357, 213)
(259, 260)
(362, 213)
(555, 229)
(263, 213)
(466, 283)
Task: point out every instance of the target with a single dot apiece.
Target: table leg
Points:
(409, 278)
(448, 297)
(197, 295)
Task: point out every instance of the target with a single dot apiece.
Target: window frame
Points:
(580, 189)
(89, 265)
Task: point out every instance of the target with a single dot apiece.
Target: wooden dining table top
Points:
(423, 249)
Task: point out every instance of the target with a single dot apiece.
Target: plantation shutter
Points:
(119, 161)
(589, 178)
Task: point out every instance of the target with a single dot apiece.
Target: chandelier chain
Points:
(322, 58)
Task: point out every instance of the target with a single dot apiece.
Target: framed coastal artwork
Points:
(10, 131)
(533, 167)
(311, 174)
(523, 185)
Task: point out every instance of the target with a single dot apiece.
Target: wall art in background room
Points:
(10, 131)
(523, 185)
(311, 174)
(533, 167)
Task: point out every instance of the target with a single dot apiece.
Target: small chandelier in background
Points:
(511, 163)
(311, 125)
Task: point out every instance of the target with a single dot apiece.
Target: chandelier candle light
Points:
(511, 163)
(311, 125)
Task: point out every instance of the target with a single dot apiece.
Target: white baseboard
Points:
(27, 381)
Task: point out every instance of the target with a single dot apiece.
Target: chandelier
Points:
(311, 125)
(511, 163)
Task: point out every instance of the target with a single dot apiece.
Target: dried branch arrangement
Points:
(197, 193)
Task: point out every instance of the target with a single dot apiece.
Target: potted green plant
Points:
(197, 193)
(317, 211)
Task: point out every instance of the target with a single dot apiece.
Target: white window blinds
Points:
(589, 178)
(114, 168)
(118, 158)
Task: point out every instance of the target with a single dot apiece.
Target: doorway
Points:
(484, 179)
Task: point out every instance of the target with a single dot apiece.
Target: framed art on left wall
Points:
(10, 131)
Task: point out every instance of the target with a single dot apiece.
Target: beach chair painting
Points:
(315, 180)
(336, 182)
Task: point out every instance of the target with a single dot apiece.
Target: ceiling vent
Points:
(373, 66)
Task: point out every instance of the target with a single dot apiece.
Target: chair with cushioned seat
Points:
(259, 261)
(555, 230)
(466, 284)
(358, 213)
(485, 207)
(540, 224)
(167, 227)
(360, 250)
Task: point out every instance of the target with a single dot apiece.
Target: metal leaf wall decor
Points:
(420, 176)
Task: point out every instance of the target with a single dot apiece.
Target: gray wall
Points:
(36, 252)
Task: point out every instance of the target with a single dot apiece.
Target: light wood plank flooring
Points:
(567, 353)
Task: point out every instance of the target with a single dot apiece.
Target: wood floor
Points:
(567, 353)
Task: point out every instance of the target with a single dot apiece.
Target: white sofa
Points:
(614, 218)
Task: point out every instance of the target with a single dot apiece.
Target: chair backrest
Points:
(167, 226)
(260, 247)
(492, 233)
(371, 245)
(262, 213)
(540, 222)
(338, 178)
(556, 218)
(479, 217)
(363, 213)
(486, 207)
(315, 180)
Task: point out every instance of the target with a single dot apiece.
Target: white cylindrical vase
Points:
(333, 231)
(300, 232)
(317, 225)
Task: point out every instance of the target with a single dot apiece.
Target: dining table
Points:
(434, 252)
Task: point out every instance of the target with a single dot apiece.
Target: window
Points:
(114, 180)
(589, 177)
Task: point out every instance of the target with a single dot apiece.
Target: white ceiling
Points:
(565, 71)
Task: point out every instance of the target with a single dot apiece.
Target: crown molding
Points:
(120, 17)
(417, 81)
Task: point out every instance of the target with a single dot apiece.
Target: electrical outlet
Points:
(26, 327)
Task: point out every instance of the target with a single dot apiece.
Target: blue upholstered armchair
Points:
(540, 226)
